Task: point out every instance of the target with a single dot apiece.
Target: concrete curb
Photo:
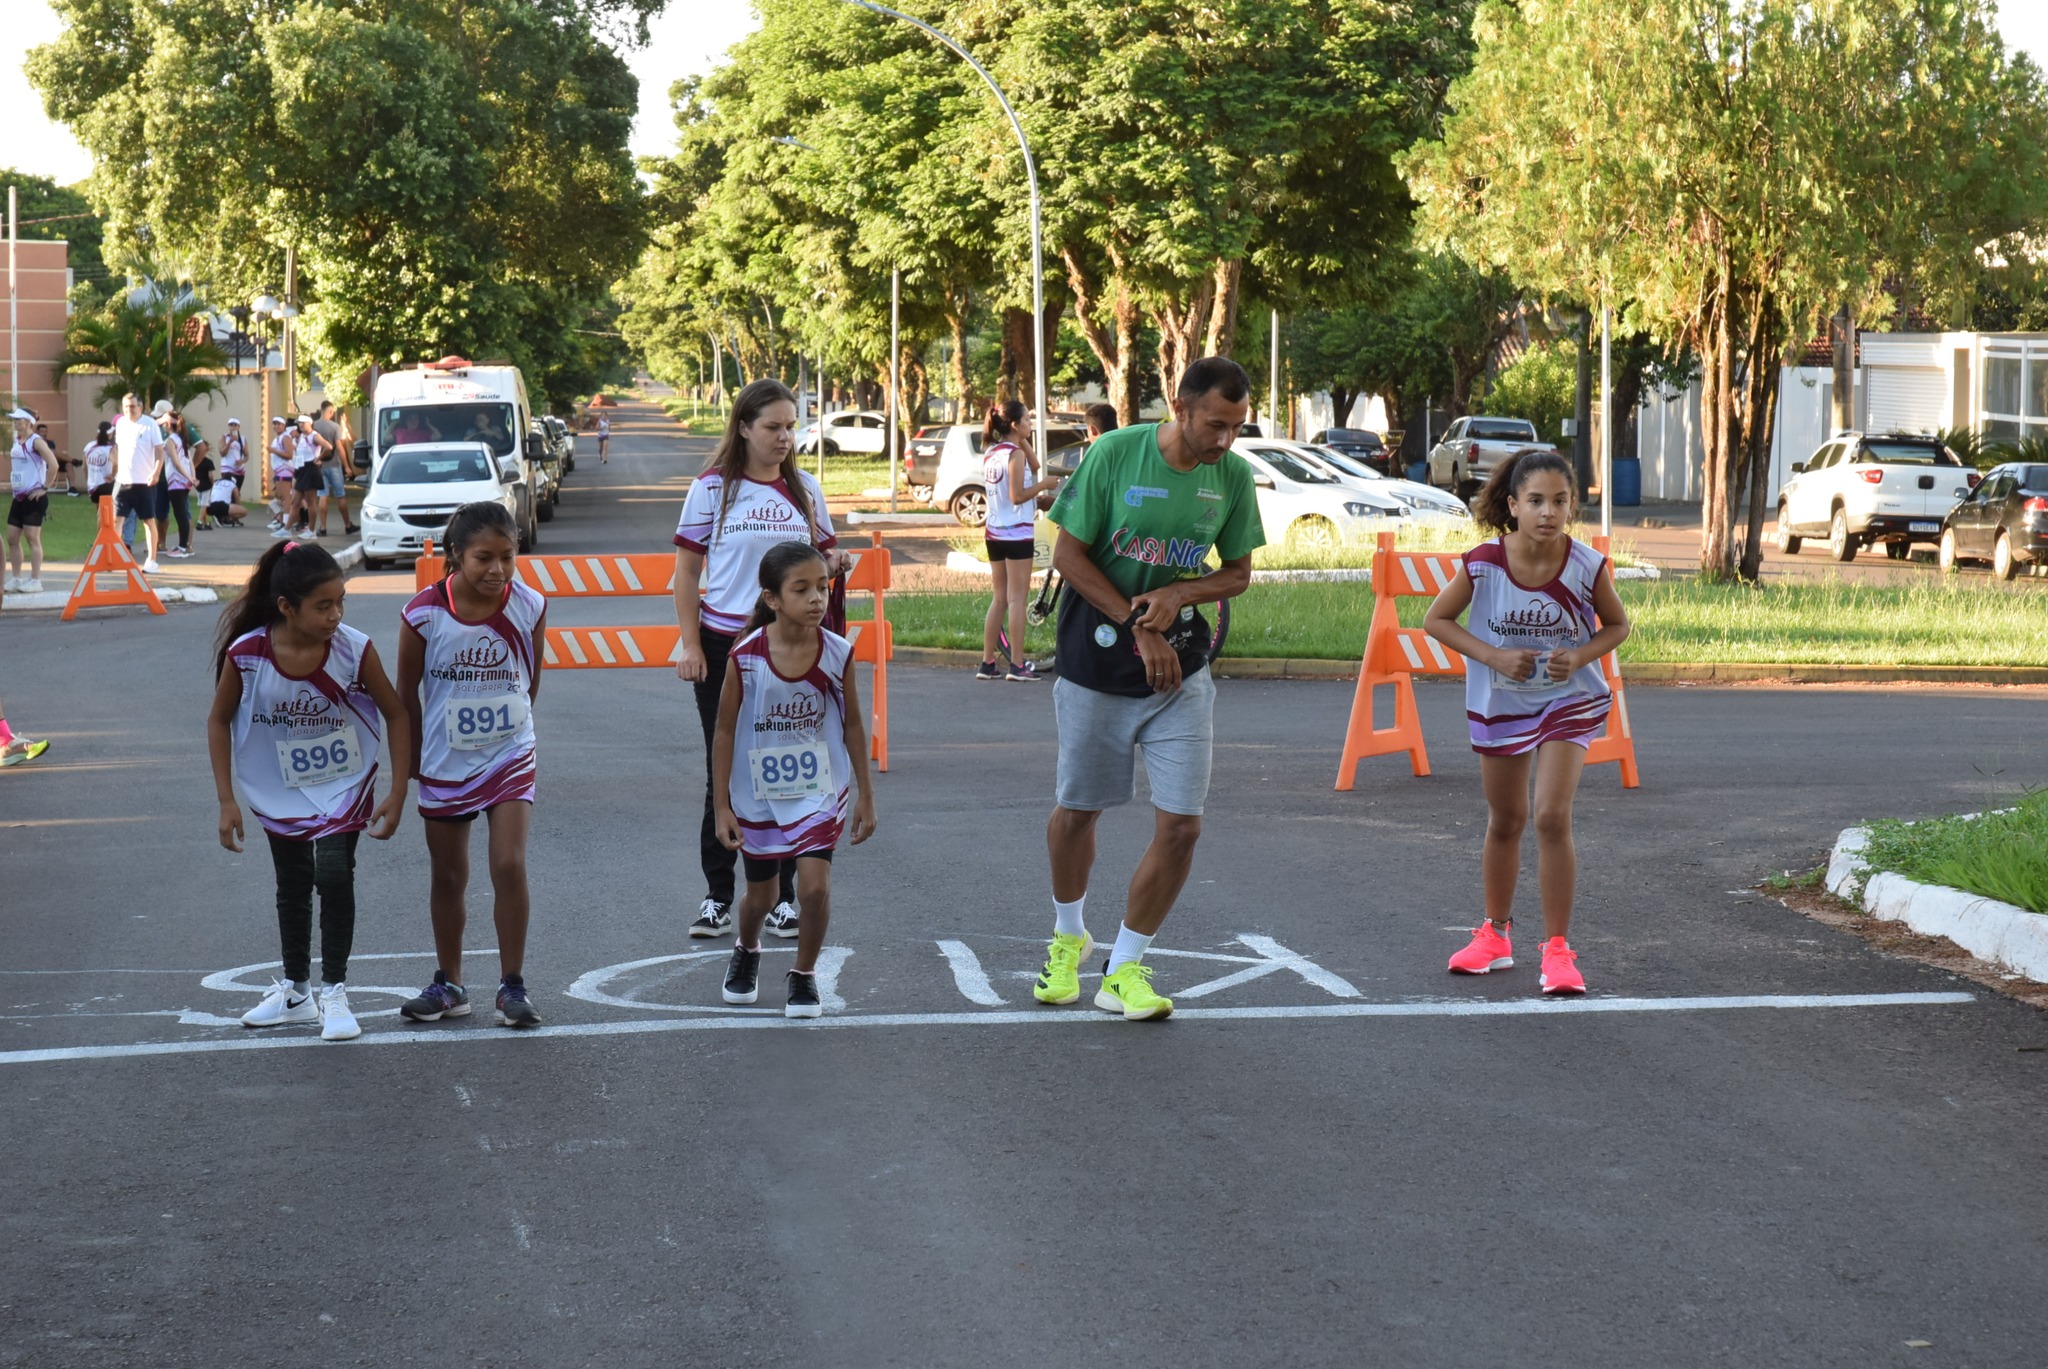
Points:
(1985, 927)
(349, 557)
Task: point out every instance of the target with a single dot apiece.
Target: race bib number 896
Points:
(486, 723)
(790, 772)
(335, 756)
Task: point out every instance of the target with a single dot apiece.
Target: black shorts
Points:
(99, 492)
(762, 869)
(28, 511)
(306, 478)
(139, 500)
(1021, 550)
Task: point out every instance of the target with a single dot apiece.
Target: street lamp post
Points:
(1037, 229)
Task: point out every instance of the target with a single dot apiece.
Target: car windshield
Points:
(1343, 461)
(1909, 454)
(405, 467)
(1294, 467)
(489, 423)
(1501, 430)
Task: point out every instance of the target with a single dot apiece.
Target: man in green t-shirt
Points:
(1136, 524)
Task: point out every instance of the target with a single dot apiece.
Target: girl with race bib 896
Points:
(1535, 696)
(297, 702)
(469, 671)
(789, 740)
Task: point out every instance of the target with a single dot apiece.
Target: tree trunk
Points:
(1013, 370)
(956, 324)
(1628, 403)
(1842, 331)
(1222, 335)
(1114, 344)
(1342, 397)
(1181, 326)
(917, 391)
(1766, 351)
(1717, 428)
(1582, 407)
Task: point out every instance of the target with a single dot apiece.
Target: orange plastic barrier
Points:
(1394, 655)
(651, 576)
(109, 555)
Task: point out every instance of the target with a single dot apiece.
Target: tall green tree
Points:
(1728, 169)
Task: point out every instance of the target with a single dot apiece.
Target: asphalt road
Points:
(1340, 1157)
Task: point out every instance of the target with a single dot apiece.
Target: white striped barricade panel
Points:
(611, 648)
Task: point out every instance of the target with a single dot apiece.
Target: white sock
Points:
(1130, 946)
(302, 986)
(1066, 917)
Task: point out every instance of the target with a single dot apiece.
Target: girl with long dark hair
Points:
(1009, 470)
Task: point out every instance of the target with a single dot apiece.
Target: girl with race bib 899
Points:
(297, 702)
(1543, 613)
(469, 671)
(789, 741)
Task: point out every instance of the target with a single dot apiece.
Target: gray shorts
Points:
(332, 481)
(1101, 735)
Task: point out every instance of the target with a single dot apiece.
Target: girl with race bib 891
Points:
(789, 742)
(1535, 696)
(297, 703)
(469, 671)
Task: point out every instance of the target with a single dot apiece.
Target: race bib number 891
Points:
(487, 723)
(335, 756)
(790, 772)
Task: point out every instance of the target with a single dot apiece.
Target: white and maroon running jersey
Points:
(1008, 521)
(476, 701)
(761, 515)
(29, 477)
(234, 455)
(1509, 717)
(305, 748)
(790, 770)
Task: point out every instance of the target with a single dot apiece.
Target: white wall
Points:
(1674, 458)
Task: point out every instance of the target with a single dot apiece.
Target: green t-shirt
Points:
(1147, 524)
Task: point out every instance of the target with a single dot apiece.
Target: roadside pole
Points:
(13, 299)
(896, 373)
(1273, 382)
(1606, 421)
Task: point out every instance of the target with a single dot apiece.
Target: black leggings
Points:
(181, 505)
(717, 858)
(328, 864)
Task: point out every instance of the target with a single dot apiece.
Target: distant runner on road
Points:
(1136, 524)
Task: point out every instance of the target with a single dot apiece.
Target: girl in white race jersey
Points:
(1543, 611)
(300, 701)
(1009, 471)
(789, 749)
(469, 670)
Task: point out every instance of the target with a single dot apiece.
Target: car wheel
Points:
(1898, 551)
(547, 511)
(921, 493)
(1312, 534)
(970, 506)
(1945, 554)
(1787, 543)
(831, 447)
(2003, 563)
(526, 525)
(1841, 545)
(376, 563)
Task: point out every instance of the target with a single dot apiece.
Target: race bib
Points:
(790, 772)
(335, 756)
(486, 723)
(1539, 678)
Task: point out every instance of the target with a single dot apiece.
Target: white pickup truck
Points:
(1472, 446)
(1864, 488)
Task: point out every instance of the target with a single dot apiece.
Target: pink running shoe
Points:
(1560, 968)
(1489, 951)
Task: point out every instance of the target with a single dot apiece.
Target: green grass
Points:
(1822, 622)
(1999, 855)
(70, 527)
(1292, 556)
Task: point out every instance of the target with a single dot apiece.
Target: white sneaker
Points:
(13, 583)
(150, 567)
(31, 587)
(337, 1023)
(282, 1005)
(279, 534)
(782, 922)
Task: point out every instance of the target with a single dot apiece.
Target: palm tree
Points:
(144, 341)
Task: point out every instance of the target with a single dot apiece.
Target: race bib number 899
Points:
(486, 723)
(335, 756)
(790, 772)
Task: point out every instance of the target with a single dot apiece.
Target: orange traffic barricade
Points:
(652, 576)
(109, 555)
(1394, 655)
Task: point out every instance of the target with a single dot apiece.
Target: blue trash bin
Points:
(1628, 481)
(1418, 471)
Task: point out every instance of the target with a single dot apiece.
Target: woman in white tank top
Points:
(1009, 470)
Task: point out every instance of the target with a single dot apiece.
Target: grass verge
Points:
(2000, 855)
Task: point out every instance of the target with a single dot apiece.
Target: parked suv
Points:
(1358, 443)
(1864, 488)
(2005, 520)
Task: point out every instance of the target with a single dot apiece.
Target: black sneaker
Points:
(988, 670)
(803, 996)
(514, 1010)
(713, 919)
(438, 1000)
(783, 922)
(743, 975)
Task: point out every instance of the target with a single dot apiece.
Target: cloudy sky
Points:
(689, 37)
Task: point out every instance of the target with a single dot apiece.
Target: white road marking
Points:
(1519, 1007)
(1273, 956)
(463, 1094)
(968, 975)
(590, 987)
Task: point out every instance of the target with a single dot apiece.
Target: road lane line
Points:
(1520, 1007)
(968, 975)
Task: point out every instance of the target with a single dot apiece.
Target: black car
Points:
(2003, 521)
(1358, 443)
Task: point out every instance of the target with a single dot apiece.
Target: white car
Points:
(1425, 503)
(857, 430)
(419, 486)
(1863, 488)
(1303, 503)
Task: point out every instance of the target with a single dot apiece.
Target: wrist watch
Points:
(1131, 621)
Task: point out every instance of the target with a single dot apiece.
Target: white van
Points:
(451, 400)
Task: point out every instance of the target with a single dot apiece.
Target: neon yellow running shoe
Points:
(1129, 991)
(1060, 980)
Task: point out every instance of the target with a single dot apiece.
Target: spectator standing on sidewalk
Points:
(138, 461)
(307, 448)
(285, 498)
(333, 475)
(99, 463)
(31, 468)
(179, 478)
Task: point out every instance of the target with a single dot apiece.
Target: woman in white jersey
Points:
(284, 500)
(99, 463)
(300, 701)
(789, 748)
(469, 670)
(234, 457)
(31, 466)
(1543, 613)
(751, 497)
(1009, 468)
